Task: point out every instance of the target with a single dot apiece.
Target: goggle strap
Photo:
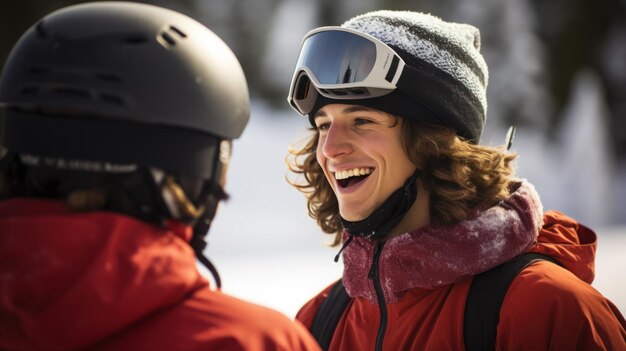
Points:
(392, 68)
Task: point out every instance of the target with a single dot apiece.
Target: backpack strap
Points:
(328, 315)
(484, 300)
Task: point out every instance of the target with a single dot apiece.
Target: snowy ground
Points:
(267, 249)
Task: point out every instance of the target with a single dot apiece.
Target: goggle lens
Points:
(338, 57)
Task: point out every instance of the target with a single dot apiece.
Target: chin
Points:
(353, 216)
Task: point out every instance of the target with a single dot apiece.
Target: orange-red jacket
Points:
(547, 307)
(103, 281)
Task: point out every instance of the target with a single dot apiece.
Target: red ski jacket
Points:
(426, 277)
(104, 281)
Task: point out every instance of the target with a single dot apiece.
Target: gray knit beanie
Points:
(451, 83)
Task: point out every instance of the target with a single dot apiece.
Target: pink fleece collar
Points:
(438, 255)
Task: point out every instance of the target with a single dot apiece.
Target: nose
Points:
(336, 142)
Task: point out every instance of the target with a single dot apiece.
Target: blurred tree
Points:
(583, 34)
(244, 25)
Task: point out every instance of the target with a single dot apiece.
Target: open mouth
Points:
(351, 177)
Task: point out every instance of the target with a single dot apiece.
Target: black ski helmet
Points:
(126, 83)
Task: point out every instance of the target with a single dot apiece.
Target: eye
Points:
(322, 126)
(361, 121)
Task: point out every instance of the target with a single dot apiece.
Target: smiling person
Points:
(443, 247)
(119, 123)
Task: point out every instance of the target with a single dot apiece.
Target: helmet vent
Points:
(169, 41)
(41, 31)
(29, 90)
(70, 92)
(136, 40)
(178, 31)
(39, 70)
(112, 99)
(109, 77)
(170, 36)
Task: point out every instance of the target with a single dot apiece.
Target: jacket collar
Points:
(438, 255)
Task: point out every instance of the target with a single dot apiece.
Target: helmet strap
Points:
(210, 196)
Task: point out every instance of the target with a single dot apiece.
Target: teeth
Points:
(352, 172)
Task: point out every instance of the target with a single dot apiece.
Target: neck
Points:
(380, 223)
(417, 216)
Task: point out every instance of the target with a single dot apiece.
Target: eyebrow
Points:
(349, 109)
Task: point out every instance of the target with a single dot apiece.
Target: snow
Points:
(270, 252)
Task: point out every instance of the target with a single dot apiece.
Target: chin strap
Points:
(380, 223)
(156, 209)
(198, 244)
(201, 228)
(210, 196)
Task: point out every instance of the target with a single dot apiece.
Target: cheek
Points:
(399, 163)
(404, 166)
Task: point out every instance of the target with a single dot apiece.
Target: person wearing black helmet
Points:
(119, 119)
(434, 227)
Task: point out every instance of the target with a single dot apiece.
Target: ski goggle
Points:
(343, 64)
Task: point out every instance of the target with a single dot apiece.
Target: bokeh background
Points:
(557, 71)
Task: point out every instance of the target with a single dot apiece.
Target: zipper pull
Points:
(343, 247)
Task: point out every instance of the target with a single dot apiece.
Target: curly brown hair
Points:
(459, 175)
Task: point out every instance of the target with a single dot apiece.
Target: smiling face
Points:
(360, 151)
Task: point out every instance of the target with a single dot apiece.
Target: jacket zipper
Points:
(382, 306)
